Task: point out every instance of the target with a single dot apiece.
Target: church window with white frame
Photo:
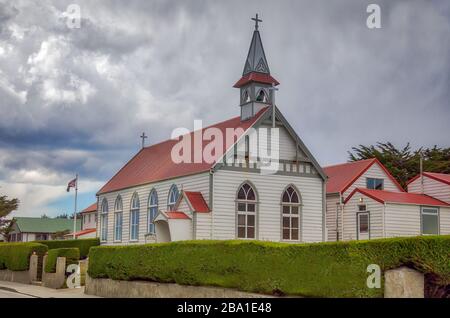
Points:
(134, 218)
(246, 212)
(290, 209)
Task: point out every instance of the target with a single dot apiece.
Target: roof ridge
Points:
(348, 163)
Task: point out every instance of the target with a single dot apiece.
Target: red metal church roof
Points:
(342, 176)
(197, 201)
(256, 77)
(177, 215)
(383, 196)
(154, 163)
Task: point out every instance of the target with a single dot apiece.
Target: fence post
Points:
(33, 269)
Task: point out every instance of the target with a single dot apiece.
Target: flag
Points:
(71, 184)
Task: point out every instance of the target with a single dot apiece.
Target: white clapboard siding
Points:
(375, 209)
(269, 189)
(332, 207)
(287, 144)
(402, 220)
(375, 171)
(198, 182)
(444, 218)
(431, 187)
(203, 226)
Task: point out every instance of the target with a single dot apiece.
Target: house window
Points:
(89, 218)
(104, 220)
(134, 218)
(41, 237)
(118, 219)
(152, 211)
(290, 207)
(246, 212)
(173, 197)
(430, 221)
(363, 221)
(375, 184)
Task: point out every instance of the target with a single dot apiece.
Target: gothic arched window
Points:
(245, 97)
(290, 210)
(262, 97)
(104, 220)
(173, 197)
(152, 211)
(134, 218)
(246, 211)
(118, 219)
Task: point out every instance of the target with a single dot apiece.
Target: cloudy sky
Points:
(76, 100)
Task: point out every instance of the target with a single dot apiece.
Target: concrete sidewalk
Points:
(16, 290)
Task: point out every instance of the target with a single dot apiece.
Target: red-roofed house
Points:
(88, 223)
(436, 185)
(275, 192)
(343, 179)
(379, 214)
(364, 201)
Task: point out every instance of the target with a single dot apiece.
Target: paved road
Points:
(16, 290)
(5, 293)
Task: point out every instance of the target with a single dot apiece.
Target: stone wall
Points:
(399, 283)
(123, 289)
(54, 280)
(24, 277)
(403, 282)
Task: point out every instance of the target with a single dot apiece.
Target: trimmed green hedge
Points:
(72, 255)
(16, 256)
(316, 270)
(83, 245)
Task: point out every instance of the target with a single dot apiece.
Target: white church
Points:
(152, 198)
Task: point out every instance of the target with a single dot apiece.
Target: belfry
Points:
(255, 83)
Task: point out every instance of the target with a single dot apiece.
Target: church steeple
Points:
(256, 79)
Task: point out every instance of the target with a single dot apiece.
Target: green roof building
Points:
(27, 229)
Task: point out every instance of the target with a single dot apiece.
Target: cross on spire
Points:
(256, 19)
(143, 137)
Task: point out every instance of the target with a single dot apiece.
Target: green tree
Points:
(6, 207)
(404, 163)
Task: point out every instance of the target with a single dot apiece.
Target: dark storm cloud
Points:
(76, 100)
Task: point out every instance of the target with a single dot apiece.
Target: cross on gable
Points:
(256, 19)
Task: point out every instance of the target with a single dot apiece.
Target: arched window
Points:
(245, 97)
(118, 219)
(104, 221)
(173, 197)
(246, 212)
(134, 218)
(262, 97)
(290, 209)
(152, 211)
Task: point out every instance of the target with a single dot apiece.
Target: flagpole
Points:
(75, 213)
